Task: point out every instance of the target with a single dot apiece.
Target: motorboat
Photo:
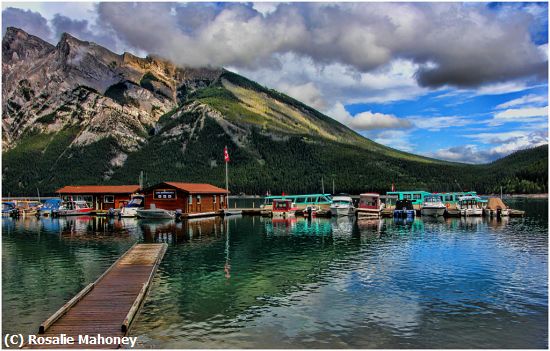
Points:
(433, 206)
(27, 208)
(283, 208)
(9, 209)
(404, 209)
(155, 213)
(74, 208)
(342, 205)
(369, 205)
(130, 209)
(50, 208)
(470, 206)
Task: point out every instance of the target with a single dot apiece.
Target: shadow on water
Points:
(254, 282)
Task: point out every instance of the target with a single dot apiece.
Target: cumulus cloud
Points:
(31, 22)
(487, 46)
(307, 93)
(367, 120)
(82, 30)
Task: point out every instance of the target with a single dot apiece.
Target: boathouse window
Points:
(109, 199)
(417, 196)
(214, 197)
(198, 199)
(222, 199)
(190, 200)
(407, 196)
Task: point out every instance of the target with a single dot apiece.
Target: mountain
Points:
(77, 113)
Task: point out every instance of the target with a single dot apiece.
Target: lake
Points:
(253, 282)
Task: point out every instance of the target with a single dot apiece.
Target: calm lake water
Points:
(251, 282)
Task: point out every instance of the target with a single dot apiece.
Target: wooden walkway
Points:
(109, 305)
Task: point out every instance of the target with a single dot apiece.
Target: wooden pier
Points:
(107, 306)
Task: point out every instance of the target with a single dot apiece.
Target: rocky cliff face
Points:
(46, 87)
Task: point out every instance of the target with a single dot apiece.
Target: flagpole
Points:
(226, 186)
(226, 177)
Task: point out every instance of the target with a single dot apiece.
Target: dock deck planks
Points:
(104, 308)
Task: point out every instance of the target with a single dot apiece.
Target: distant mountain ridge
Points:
(77, 113)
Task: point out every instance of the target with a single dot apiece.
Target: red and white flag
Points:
(225, 155)
(392, 187)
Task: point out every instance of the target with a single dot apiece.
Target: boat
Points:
(433, 206)
(155, 213)
(310, 211)
(74, 208)
(50, 208)
(27, 208)
(283, 208)
(470, 206)
(232, 212)
(369, 205)
(9, 209)
(496, 208)
(321, 201)
(342, 205)
(404, 209)
(130, 209)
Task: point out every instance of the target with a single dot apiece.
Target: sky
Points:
(465, 82)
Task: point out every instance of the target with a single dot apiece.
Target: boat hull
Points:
(404, 213)
(129, 212)
(471, 212)
(342, 211)
(494, 213)
(433, 211)
(156, 214)
(74, 212)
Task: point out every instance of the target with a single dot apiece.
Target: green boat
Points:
(321, 201)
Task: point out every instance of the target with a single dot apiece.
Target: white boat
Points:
(74, 208)
(470, 206)
(370, 205)
(433, 206)
(342, 206)
(283, 208)
(131, 208)
(155, 213)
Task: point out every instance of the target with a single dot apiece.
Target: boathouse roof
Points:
(98, 189)
(192, 188)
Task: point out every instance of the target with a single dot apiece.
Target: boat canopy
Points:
(404, 205)
(307, 199)
(495, 203)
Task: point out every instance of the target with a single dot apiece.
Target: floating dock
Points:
(107, 306)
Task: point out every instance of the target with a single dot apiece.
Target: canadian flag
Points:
(225, 155)
(392, 187)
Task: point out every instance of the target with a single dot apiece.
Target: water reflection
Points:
(323, 283)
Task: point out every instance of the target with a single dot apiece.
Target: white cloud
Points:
(367, 120)
(397, 139)
(526, 99)
(440, 122)
(306, 93)
(525, 115)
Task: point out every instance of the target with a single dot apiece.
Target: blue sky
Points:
(463, 82)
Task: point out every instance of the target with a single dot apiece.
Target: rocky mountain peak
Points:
(18, 45)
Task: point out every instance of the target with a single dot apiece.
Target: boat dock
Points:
(108, 305)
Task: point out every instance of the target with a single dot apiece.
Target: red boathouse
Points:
(188, 197)
(99, 197)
